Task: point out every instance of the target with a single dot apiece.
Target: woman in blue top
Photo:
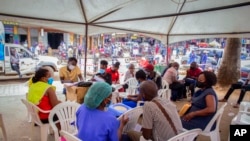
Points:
(204, 103)
(94, 123)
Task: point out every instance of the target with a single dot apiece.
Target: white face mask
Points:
(71, 67)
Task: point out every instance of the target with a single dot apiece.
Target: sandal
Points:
(223, 100)
(236, 106)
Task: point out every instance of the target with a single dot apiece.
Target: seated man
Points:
(177, 86)
(191, 77)
(14, 60)
(152, 75)
(239, 85)
(131, 100)
(113, 71)
(70, 73)
(102, 72)
(160, 120)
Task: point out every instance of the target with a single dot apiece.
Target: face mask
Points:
(101, 71)
(71, 67)
(50, 80)
(107, 105)
(200, 84)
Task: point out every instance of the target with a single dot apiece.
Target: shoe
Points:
(236, 106)
(223, 100)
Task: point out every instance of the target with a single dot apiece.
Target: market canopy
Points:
(167, 20)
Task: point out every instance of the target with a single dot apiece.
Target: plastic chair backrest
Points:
(216, 118)
(25, 102)
(188, 135)
(66, 113)
(69, 137)
(33, 109)
(3, 128)
(163, 94)
(243, 116)
(132, 85)
(133, 116)
(164, 84)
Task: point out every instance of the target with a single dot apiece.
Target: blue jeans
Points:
(191, 83)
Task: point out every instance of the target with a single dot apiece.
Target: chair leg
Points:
(215, 136)
(3, 128)
(44, 132)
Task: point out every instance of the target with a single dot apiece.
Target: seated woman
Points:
(131, 100)
(94, 123)
(204, 103)
(42, 94)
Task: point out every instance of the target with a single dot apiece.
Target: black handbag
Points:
(84, 84)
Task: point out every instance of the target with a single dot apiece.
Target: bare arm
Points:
(65, 81)
(210, 108)
(52, 97)
(123, 122)
(80, 77)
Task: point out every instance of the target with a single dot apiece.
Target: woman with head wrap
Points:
(93, 121)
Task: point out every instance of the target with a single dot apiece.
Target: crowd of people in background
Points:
(198, 84)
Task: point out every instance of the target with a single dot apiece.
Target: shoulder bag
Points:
(166, 115)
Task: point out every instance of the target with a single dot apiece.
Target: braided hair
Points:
(39, 74)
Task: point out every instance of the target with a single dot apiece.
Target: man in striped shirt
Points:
(155, 126)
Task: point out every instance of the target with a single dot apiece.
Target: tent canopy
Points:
(166, 20)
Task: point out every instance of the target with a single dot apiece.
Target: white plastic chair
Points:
(66, 113)
(132, 85)
(214, 134)
(133, 116)
(25, 102)
(188, 135)
(165, 85)
(243, 116)
(164, 94)
(69, 137)
(3, 128)
(33, 109)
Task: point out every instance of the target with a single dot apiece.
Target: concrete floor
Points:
(18, 129)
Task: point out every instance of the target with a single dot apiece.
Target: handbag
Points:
(184, 109)
(166, 115)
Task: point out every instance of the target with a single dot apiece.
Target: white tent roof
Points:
(167, 20)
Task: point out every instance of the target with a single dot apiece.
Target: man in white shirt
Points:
(244, 86)
(14, 60)
(155, 124)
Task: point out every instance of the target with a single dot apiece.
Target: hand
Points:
(188, 116)
(124, 120)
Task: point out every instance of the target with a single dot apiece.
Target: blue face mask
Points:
(101, 71)
(50, 80)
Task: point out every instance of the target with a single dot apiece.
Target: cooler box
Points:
(118, 109)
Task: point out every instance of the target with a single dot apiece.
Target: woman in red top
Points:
(42, 94)
(113, 71)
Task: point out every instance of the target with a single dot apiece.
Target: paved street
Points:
(22, 88)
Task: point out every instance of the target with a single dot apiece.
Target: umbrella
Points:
(203, 44)
(215, 44)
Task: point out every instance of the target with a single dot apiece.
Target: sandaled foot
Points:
(236, 106)
(223, 100)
